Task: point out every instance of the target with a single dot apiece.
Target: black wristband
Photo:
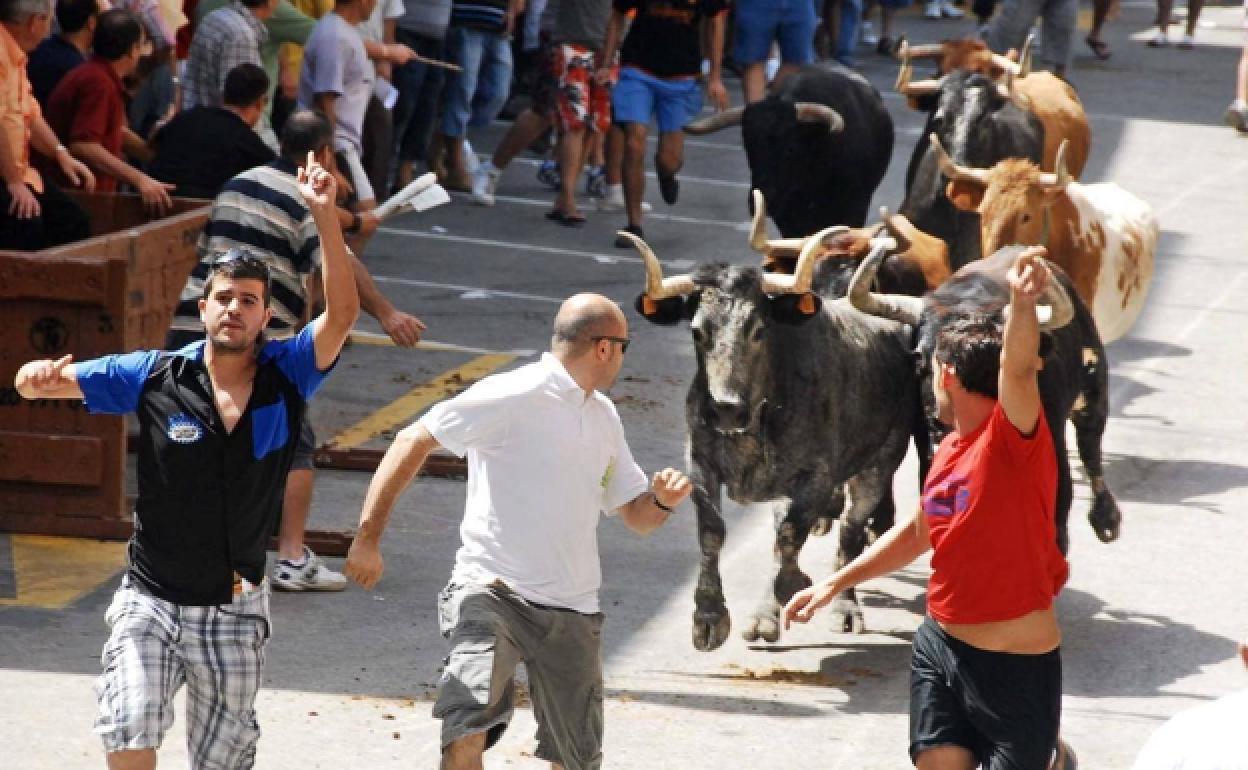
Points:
(354, 227)
(659, 505)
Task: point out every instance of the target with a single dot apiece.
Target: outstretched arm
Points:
(905, 542)
(647, 512)
(48, 379)
(403, 460)
(342, 301)
(1018, 387)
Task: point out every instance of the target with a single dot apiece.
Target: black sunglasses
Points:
(244, 258)
(624, 341)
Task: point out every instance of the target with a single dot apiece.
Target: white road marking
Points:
(682, 177)
(606, 259)
(742, 226)
(469, 292)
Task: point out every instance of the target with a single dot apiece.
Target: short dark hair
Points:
(245, 85)
(72, 15)
(305, 131)
(254, 3)
(972, 346)
(117, 32)
(18, 11)
(240, 264)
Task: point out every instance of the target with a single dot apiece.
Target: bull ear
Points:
(664, 312)
(795, 309)
(965, 195)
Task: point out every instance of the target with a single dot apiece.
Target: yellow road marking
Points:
(55, 572)
(405, 407)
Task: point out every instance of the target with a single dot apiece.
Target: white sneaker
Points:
(868, 34)
(931, 9)
(614, 200)
(308, 575)
(1187, 42)
(484, 183)
(1159, 40)
(471, 161)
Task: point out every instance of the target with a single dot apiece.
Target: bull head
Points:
(969, 55)
(804, 112)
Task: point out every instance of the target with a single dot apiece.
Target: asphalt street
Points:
(1150, 621)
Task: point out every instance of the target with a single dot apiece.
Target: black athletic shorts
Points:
(1004, 708)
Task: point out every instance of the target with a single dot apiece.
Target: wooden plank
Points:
(61, 460)
(65, 280)
(439, 464)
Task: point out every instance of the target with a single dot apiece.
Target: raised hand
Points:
(1030, 274)
(45, 378)
(316, 184)
(670, 487)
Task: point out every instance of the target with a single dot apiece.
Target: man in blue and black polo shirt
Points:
(218, 424)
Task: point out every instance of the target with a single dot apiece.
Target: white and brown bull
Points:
(1104, 237)
(1043, 94)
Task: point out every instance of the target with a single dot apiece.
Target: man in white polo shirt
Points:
(546, 453)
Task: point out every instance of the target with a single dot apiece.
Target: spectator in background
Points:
(885, 43)
(377, 139)
(1011, 25)
(261, 211)
(1237, 113)
(33, 213)
(60, 53)
(224, 39)
(660, 62)
(1101, 10)
(204, 147)
(478, 41)
(1164, 10)
(337, 80)
(88, 110)
(759, 23)
(838, 29)
(155, 94)
(422, 28)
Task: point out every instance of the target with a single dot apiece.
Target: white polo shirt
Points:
(543, 461)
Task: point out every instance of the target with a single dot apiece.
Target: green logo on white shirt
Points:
(607, 474)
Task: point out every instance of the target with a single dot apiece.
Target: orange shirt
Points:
(18, 108)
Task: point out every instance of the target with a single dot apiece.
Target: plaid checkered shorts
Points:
(155, 647)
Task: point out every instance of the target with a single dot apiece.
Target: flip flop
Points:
(1099, 48)
(567, 220)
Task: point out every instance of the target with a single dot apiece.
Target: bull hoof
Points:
(788, 583)
(1105, 518)
(710, 629)
(762, 628)
(847, 617)
(822, 526)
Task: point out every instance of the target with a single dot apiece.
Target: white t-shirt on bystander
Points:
(544, 461)
(334, 61)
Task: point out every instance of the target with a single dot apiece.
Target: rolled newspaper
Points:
(421, 194)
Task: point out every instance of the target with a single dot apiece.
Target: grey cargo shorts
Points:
(491, 629)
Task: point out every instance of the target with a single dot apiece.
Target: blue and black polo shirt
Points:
(208, 499)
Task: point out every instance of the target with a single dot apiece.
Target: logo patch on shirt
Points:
(183, 429)
(607, 474)
(947, 498)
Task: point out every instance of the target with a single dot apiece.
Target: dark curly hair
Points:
(972, 346)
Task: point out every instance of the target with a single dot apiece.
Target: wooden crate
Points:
(61, 469)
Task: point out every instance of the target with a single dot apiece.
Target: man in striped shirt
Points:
(262, 212)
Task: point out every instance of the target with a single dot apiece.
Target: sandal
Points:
(1099, 48)
(567, 220)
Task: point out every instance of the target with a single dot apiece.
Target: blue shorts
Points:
(791, 23)
(639, 95)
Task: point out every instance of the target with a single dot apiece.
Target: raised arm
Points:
(647, 512)
(715, 44)
(1018, 387)
(48, 379)
(611, 46)
(403, 460)
(342, 301)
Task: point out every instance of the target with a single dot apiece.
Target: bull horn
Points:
(1005, 63)
(810, 112)
(804, 273)
(1025, 56)
(717, 122)
(925, 51)
(921, 88)
(1060, 176)
(658, 287)
(1005, 86)
(902, 240)
(953, 170)
(896, 307)
(758, 231)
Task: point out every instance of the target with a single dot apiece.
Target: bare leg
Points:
(1241, 77)
(1100, 12)
(670, 155)
(946, 758)
(571, 159)
(528, 127)
(1164, 9)
(465, 753)
(296, 506)
(139, 759)
(886, 22)
(1194, 7)
(594, 150)
(634, 170)
(754, 81)
(614, 153)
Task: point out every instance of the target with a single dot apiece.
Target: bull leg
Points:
(794, 522)
(868, 491)
(1064, 490)
(711, 622)
(1089, 418)
(829, 513)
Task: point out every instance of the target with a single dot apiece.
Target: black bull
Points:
(794, 397)
(1074, 383)
(818, 146)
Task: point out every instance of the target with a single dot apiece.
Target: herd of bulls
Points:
(813, 370)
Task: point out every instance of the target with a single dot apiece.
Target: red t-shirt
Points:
(989, 500)
(88, 106)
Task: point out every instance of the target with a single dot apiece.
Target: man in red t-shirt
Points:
(87, 109)
(986, 672)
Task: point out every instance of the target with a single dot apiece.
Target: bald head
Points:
(583, 317)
